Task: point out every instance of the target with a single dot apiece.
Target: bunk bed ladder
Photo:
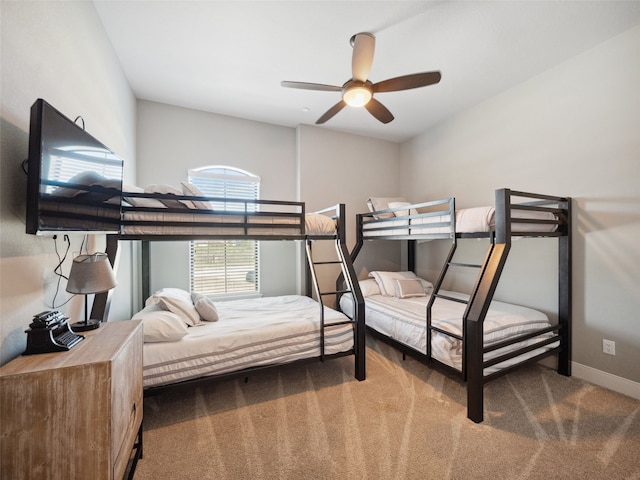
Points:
(489, 272)
(436, 294)
(320, 295)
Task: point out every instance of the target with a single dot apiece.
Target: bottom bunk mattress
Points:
(248, 333)
(404, 320)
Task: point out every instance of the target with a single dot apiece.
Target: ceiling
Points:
(229, 57)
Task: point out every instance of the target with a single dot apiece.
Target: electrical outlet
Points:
(609, 347)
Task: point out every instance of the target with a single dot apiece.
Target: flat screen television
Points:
(74, 182)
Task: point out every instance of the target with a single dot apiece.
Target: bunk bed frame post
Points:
(564, 293)
(102, 301)
(340, 281)
(146, 270)
(360, 340)
(352, 283)
(411, 255)
(479, 305)
(359, 238)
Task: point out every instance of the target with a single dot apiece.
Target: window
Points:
(225, 267)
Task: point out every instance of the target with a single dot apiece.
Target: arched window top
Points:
(224, 172)
(221, 181)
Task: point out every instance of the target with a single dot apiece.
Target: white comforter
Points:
(249, 333)
(404, 320)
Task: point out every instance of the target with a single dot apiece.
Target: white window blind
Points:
(65, 164)
(225, 267)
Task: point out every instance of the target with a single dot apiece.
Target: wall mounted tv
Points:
(74, 182)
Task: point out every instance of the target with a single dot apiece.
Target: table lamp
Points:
(90, 273)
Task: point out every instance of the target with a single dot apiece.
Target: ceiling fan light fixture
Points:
(357, 96)
(358, 91)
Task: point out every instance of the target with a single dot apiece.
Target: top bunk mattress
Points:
(396, 217)
(166, 211)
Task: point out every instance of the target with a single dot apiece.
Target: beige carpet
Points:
(405, 421)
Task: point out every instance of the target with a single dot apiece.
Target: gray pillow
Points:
(204, 306)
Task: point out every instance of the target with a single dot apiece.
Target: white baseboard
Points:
(606, 380)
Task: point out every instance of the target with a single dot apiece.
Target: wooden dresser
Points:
(74, 414)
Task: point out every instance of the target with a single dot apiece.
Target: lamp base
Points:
(84, 326)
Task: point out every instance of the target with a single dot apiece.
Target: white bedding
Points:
(404, 320)
(482, 219)
(248, 333)
(315, 224)
(468, 220)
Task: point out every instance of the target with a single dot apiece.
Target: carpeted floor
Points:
(405, 421)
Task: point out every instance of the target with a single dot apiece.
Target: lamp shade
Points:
(91, 273)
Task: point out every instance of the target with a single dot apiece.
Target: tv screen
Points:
(74, 182)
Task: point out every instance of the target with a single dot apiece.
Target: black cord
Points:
(84, 239)
(58, 269)
(79, 118)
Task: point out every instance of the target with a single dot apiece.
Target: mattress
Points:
(199, 222)
(404, 320)
(468, 220)
(72, 213)
(249, 333)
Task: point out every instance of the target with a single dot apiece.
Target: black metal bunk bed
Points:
(262, 220)
(439, 221)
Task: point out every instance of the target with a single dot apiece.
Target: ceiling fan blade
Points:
(363, 48)
(331, 112)
(407, 82)
(379, 111)
(311, 86)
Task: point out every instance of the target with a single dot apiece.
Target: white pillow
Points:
(382, 203)
(140, 201)
(428, 286)
(191, 189)
(402, 213)
(168, 189)
(369, 287)
(205, 307)
(409, 287)
(318, 224)
(387, 285)
(160, 325)
(177, 301)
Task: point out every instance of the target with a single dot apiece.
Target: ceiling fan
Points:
(358, 91)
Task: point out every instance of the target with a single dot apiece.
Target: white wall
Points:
(340, 168)
(57, 51)
(571, 131)
(172, 140)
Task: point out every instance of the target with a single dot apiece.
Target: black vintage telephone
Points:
(50, 332)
